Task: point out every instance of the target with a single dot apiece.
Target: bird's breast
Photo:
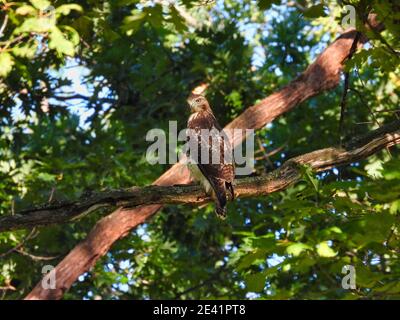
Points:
(198, 176)
(193, 116)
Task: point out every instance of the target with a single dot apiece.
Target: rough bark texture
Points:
(322, 75)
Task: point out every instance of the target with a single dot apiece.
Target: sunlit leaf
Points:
(324, 250)
(26, 10)
(6, 63)
(41, 4)
(65, 9)
(297, 248)
(60, 43)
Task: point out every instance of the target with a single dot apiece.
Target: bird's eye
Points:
(198, 100)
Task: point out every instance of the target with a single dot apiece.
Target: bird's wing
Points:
(214, 155)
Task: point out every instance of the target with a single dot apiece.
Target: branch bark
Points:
(322, 75)
(324, 159)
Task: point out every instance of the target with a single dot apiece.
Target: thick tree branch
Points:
(279, 179)
(322, 75)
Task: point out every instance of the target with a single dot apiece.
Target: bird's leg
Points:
(208, 190)
(210, 193)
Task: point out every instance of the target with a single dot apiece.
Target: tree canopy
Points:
(82, 82)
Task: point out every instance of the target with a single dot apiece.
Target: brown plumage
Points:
(216, 177)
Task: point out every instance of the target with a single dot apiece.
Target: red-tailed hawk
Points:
(213, 164)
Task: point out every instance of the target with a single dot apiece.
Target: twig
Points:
(9, 287)
(83, 97)
(201, 284)
(266, 157)
(9, 43)
(346, 89)
(4, 25)
(18, 246)
(365, 103)
(364, 122)
(271, 153)
(53, 189)
(370, 110)
(388, 111)
(383, 40)
(35, 257)
(343, 107)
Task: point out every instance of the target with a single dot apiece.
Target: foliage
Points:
(81, 82)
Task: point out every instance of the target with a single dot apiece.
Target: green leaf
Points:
(325, 251)
(374, 168)
(266, 4)
(250, 258)
(154, 16)
(38, 25)
(335, 230)
(315, 11)
(311, 178)
(391, 170)
(41, 4)
(395, 207)
(392, 287)
(65, 9)
(60, 43)
(266, 243)
(73, 35)
(27, 50)
(44, 176)
(26, 10)
(177, 20)
(255, 282)
(297, 248)
(132, 23)
(6, 63)
(365, 277)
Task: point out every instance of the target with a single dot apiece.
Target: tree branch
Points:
(276, 180)
(322, 75)
(78, 96)
(343, 101)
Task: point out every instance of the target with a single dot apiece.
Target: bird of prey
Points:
(213, 164)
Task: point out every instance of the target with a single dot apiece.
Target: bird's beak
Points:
(191, 105)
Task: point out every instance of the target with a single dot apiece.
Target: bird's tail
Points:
(220, 197)
(220, 210)
(229, 186)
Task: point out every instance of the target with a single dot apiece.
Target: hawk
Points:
(213, 164)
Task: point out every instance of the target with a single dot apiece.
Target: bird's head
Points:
(198, 103)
